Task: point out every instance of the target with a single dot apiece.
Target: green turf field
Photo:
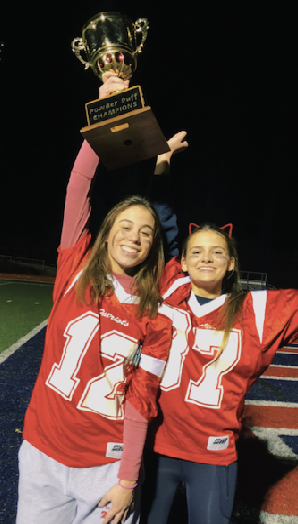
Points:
(23, 306)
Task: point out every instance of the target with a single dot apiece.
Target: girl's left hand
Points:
(177, 143)
(121, 500)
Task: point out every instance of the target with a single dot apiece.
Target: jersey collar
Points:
(204, 309)
(122, 296)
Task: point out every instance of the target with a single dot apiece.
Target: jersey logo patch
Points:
(218, 443)
(114, 450)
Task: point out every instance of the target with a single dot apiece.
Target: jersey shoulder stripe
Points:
(259, 299)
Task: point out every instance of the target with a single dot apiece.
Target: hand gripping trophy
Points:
(121, 129)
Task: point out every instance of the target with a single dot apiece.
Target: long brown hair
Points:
(97, 268)
(230, 285)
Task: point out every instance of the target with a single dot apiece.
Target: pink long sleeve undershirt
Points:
(76, 216)
(77, 201)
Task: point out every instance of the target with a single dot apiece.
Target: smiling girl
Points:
(206, 259)
(86, 424)
(223, 341)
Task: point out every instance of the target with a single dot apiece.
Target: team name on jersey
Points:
(218, 443)
(114, 449)
(112, 317)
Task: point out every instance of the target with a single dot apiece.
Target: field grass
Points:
(23, 305)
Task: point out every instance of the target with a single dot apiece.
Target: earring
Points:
(232, 273)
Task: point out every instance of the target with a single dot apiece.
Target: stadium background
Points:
(224, 73)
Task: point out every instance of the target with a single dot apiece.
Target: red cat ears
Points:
(230, 226)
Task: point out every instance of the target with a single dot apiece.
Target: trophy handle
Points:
(142, 26)
(78, 46)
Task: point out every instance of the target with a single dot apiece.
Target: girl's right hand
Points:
(111, 84)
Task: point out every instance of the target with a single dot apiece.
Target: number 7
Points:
(208, 390)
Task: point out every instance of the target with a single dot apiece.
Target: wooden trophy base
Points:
(126, 138)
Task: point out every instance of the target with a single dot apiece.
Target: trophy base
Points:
(126, 139)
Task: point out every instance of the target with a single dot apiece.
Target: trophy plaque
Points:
(121, 129)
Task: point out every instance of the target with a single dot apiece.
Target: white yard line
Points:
(273, 404)
(254, 515)
(12, 349)
(292, 379)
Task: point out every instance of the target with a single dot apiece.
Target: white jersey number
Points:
(179, 349)
(207, 390)
(100, 394)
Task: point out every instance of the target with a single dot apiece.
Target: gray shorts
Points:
(51, 493)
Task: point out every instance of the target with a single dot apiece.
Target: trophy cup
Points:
(121, 129)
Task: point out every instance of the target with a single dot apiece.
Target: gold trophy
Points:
(121, 129)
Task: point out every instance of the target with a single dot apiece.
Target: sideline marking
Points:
(293, 379)
(25, 283)
(266, 518)
(280, 366)
(275, 444)
(273, 403)
(12, 349)
(253, 515)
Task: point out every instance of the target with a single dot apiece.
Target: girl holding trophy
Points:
(83, 444)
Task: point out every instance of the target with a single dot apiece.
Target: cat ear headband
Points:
(230, 226)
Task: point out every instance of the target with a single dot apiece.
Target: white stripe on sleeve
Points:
(153, 365)
(259, 299)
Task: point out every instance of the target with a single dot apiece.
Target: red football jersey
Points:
(201, 398)
(76, 411)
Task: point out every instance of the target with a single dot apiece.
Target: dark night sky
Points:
(223, 71)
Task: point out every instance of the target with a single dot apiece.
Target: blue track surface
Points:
(17, 377)
(274, 390)
(292, 442)
(284, 359)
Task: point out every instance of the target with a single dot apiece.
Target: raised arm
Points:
(77, 202)
(177, 144)
(162, 194)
